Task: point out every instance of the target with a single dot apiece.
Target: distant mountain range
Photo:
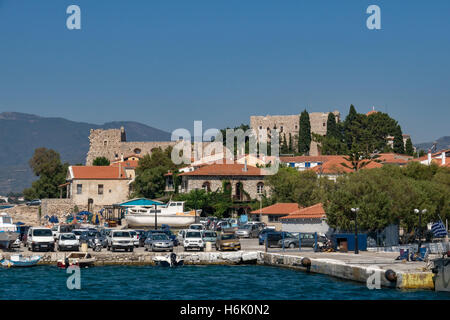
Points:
(441, 143)
(21, 134)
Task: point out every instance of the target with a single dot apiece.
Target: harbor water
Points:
(190, 282)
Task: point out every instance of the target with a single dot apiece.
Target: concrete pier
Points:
(391, 273)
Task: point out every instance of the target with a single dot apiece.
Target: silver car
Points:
(158, 242)
(247, 231)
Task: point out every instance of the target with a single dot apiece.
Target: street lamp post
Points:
(420, 212)
(355, 210)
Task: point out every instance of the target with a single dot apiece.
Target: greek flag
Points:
(438, 229)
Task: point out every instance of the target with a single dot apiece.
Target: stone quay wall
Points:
(57, 207)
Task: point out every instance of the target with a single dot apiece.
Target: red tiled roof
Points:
(394, 158)
(335, 166)
(298, 159)
(371, 112)
(278, 208)
(126, 164)
(225, 170)
(315, 211)
(97, 172)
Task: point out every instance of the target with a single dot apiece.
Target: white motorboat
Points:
(168, 261)
(8, 231)
(171, 214)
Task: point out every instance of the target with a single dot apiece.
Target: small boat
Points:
(8, 231)
(172, 214)
(20, 261)
(81, 259)
(168, 261)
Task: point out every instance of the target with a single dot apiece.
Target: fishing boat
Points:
(168, 261)
(20, 261)
(171, 214)
(8, 231)
(80, 259)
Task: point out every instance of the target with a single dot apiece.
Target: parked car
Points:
(248, 231)
(222, 226)
(135, 236)
(140, 234)
(40, 238)
(35, 202)
(228, 241)
(60, 228)
(158, 242)
(209, 236)
(193, 239)
(78, 232)
(307, 240)
(263, 233)
(180, 235)
(197, 226)
(119, 239)
(274, 237)
(68, 241)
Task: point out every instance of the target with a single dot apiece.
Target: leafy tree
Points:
(291, 185)
(409, 149)
(304, 134)
(150, 180)
(358, 158)
(46, 164)
(101, 161)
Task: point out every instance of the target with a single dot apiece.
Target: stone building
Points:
(286, 124)
(271, 215)
(113, 145)
(306, 220)
(93, 187)
(246, 182)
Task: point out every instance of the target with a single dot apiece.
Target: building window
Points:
(324, 124)
(260, 127)
(137, 151)
(260, 188)
(79, 188)
(206, 186)
(100, 189)
(273, 218)
(296, 127)
(281, 128)
(105, 143)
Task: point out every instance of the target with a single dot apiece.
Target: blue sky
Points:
(168, 63)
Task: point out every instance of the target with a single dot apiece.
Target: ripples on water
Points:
(190, 282)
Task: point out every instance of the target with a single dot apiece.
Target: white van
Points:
(40, 238)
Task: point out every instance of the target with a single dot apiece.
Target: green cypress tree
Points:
(398, 141)
(332, 128)
(290, 147)
(284, 146)
(409, 149)
(304, 133)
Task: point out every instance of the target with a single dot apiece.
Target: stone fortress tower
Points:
(113, 144)
(286, 124)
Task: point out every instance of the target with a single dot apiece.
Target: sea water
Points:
(190, 282)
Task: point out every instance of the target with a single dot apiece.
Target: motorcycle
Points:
(95, 244)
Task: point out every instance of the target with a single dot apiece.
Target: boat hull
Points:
(148, 220)
(7, 238)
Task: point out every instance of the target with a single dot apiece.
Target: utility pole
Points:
(355, 210)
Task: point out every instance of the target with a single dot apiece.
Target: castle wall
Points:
(286, 124)
(112, 144)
